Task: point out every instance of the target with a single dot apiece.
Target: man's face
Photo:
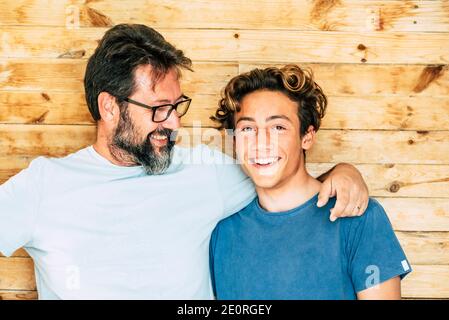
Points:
(147, 142)
(268, 142)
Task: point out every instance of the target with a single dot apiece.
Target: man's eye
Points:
(247, 129)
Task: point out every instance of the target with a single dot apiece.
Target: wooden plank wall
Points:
(384, 65)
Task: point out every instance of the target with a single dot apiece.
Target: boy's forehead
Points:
(267, 104)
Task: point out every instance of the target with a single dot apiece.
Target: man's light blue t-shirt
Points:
(300, 254)
(96, 230)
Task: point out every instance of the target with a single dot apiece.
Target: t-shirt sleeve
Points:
(235, 187)
(374, 252)
(213, 241)
(19, 198)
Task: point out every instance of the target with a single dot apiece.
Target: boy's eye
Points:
(246, 129)
(279, 128)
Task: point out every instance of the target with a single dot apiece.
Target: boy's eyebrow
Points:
(266, 120)
(278, 117)
(245, 119)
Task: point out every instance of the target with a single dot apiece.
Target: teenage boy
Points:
(282, 246)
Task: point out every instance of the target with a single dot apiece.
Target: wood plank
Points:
(381, 147)
(417, 214)
(343, 47)
(398, 180)
(34, 140)
(364, 113)
(244, 45)
(369, 80)
(332, 146)
(387, 113)
(266, 14)
(18, 295)
(425, 248)
(427, 282)
(52, 75)
(17, 274)
(49, 75)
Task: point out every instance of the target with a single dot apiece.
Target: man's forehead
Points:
(144, 79)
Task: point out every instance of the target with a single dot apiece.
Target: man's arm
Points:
(388, 290)
(18, 203)
(346, 183)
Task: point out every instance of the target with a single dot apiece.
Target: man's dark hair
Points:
(122, 49)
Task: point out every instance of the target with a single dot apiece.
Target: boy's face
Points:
(268, 142)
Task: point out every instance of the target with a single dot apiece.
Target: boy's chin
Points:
(265, 182)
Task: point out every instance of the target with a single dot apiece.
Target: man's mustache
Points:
(170, 134)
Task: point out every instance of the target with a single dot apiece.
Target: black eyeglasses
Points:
(163, 112)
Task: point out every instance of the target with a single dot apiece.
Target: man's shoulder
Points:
(46, 164)
(234, 220)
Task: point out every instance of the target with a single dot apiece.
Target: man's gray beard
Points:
(126, 147)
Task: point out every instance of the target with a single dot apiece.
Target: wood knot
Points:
(45, 96)
(394, 186)
(410, 142)
(75, 54)
(363, 60)
(361, 47)
(236, 35)
(41, 118)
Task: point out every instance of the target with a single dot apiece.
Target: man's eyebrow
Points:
(168, 101)
(278, 117)
(245, 119)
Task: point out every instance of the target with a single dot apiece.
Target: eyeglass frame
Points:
(154, 108)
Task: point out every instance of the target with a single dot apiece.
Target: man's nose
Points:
(173, 122)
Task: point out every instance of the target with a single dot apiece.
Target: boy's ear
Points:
(309, 138)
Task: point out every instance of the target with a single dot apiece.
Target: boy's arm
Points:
(388, 290)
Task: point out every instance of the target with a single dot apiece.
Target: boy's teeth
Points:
(264, 161)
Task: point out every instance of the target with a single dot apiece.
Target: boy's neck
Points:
(292, 193)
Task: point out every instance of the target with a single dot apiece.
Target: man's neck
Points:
(101, 146)
(290, 194)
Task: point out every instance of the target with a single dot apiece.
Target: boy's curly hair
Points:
(297, 84)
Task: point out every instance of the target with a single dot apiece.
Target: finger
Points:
(340, 205)
(352, 208)
(325, 193)
(363, 205)
(333, 217)
(356, 210)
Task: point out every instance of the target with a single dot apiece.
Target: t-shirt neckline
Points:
(294, 211)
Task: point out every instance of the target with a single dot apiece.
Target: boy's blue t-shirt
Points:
(300, 254)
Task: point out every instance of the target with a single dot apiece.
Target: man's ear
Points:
(107, 107)
(309, 138)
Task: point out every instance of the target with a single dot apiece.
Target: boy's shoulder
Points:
(373, 216)
(235, 219)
